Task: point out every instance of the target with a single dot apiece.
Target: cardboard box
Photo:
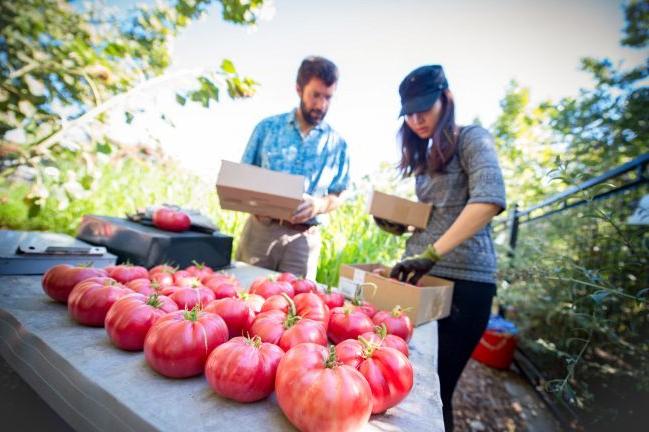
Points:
(430, 301)
(400, 210)
(255, 190)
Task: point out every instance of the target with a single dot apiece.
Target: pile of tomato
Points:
(331, 362)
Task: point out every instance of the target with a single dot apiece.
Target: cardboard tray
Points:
(251, 189)
(429, 301)
(400, 210)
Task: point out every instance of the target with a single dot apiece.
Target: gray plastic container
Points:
(34, 252)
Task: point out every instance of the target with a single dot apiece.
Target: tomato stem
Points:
(192, 315)
(291, 304)
(291, 317)
(398, 311)
(368, 347)
(331, 361)
(154, 300)
(254, 341)
(381, 330)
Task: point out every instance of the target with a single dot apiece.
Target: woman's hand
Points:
(390, 227)
(412, 269)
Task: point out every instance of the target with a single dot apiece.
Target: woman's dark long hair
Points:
(416, 156)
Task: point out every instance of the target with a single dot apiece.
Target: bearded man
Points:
(298, 142)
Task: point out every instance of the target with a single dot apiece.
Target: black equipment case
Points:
(148, 246)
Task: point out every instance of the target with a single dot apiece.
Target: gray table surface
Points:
(97, 387)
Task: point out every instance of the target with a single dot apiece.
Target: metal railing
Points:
(517, 217)
(552, 206)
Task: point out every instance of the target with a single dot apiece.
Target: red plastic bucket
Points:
(495, 349)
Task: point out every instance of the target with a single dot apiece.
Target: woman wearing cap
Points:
(456, 170)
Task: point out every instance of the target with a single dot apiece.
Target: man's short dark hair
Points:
(317, 67)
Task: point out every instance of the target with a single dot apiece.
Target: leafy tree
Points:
(578, 283)
(65, 70)
(523, 138)
(607, 125)
(604, 126)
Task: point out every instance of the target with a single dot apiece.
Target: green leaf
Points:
(228, 67)
(180, 99)
(129, 117)
(104, 147)
(34, 210)
(87, 181)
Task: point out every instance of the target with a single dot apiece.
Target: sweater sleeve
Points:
(480, 161)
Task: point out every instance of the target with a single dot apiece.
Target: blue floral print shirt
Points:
(320, 156)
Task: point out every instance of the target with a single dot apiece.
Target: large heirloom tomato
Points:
(59, 280)
(184, 278)
(237, 314)
(387, 370)
(171, 220)
(243, 369)
(364, 306)
(302, 285)
(178, 344)
(255, 301)
(288, 329)
(125, 272)
(347, 323)
(307, 305)
(199, 270)
(357, 301)
(396, 322)
(318, 393)
(162, 278)
(217, 277)
(164, 268)
(381, 337)
(221, 287)
(267, 287)
(143, 286)
(332, 299)
(129, 319)
(186, 297)
(90, 300)
(286, 277)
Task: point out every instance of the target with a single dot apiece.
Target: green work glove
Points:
(412, 269)
(390, 227)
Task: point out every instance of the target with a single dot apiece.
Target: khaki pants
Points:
(266, 243)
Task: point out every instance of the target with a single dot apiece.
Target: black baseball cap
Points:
(420, 89)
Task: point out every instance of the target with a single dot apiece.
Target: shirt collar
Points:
(293, 120)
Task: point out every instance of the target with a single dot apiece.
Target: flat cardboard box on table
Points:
(400, 210)
(430, 301)
(251, 189)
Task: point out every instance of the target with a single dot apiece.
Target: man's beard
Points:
(312, 117)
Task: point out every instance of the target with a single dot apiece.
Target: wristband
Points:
(430, 254)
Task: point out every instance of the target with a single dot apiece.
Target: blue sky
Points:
(482, 44)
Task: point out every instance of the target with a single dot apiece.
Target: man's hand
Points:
(390, 227)
(412, 269)
(308, 209)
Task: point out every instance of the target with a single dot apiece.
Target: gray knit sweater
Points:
(472, 176)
